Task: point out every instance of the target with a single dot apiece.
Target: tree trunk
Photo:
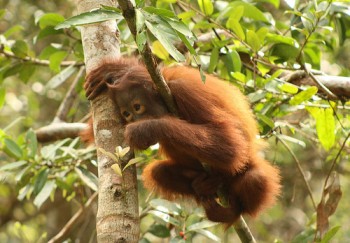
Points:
(117, 215)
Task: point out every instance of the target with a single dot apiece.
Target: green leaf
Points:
(188, 44)
(289, 88)
(50, 19)
(47, 31)
(165, 217)
(303, 96)
(234, 25)
(159, 230)
(13, 30)
(20, 48)
(159, 50)
(140, 21)
(253, 40)
(60, 78)
(56, 59)
(44, 193)
(94, 16)
(87, 177)
(109, 155)
(206, 7)
(202, 74)
(214, 58)
(330, 234)
(263, 69)
(233, 62)
(132, 162)
(250, 11)
(166, 206)
(208, 234)
(141, 39)
(179, 26)
(325, 126)
(117, 170)
(13, 165)
(236, 61)
(27, 71)
(239, 76)
(13, 149)
(164, 38)
(273, 38)
(40, 180)
(32, 143)
(160, 12)
(268, 121)
(2, 96)
(201, 225)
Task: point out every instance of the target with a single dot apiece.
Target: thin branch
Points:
(335, 161)
(150, 62)
(39, 61)
(69, 99)
(300, 170)
(243, 231)
(76, 217)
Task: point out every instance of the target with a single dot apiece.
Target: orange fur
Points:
(215, 128)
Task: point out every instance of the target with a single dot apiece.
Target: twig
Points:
(150, 62)
(335, 161)
(300, 170)
(68, 101)
(67, 228)
(243, 231)
(39, 61)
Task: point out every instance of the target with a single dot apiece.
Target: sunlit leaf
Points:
(253, 40)
(94, 16)
(159, 50)
(87, 177)
(13, 165)
(165, 217)
(20, 48)
(206, 7)
(289, 88)
(40, 180)
(2, 96)
(325, 127)
(132, 162)
(116, 169)
(109, 154)
(201, 225)
(166, 206)
(56, 59)
(50, 19)
(12, 147)
(44, 193)
(166, 41)
(303, 96)
(214, 58)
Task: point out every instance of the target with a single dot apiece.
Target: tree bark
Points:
(117, 215)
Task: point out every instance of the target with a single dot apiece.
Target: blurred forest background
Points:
(279, 53)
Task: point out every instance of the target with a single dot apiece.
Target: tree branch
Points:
(74, 220)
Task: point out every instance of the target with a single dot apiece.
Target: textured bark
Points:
(117, 215)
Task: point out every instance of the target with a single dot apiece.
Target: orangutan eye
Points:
(137, 107)
(126, 114)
